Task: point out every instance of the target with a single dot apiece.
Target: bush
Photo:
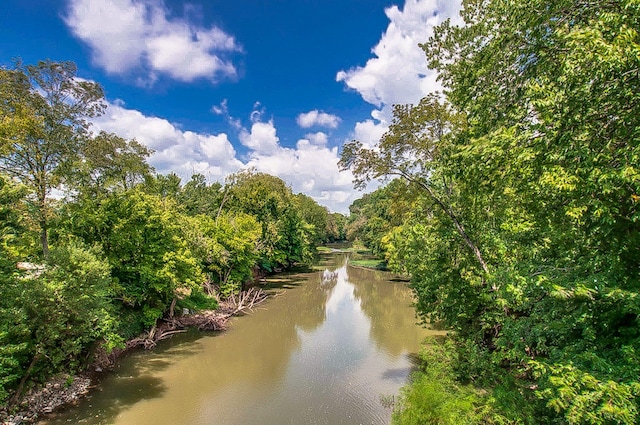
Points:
(433, 397)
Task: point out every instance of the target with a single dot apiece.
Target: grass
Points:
(323, 249)
(369, 264)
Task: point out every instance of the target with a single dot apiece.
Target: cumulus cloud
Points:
(261, 139)
(317, 118)
(369, 132)
(398, 73)
(310, 168)
(175, 150)
(318, 139)
(140, 35)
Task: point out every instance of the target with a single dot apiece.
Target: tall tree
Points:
(110, 162)
(410, 149)
(48, 107)
(286, 237)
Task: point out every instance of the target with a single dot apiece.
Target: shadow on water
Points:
(133, 380)
(398, 375)
(398, 279)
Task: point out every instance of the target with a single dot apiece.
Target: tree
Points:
(47, 108)
(285, 238)
(227, 247)
(376, 213)
(109, 162)
(197, 197)
(54, 317)
(315, 215)
(141, 237)
(165, 186)
(13, 321)
(336, 227)
(410, 149)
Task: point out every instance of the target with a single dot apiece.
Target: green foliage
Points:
(336, 227)
(197, 197)
(316, 216)
(44, 129)
(286, 238)
(376, 213)
(197, 300)
(141, 236)
(109, 162)
(14, 332)
(73, 309)
(434, 397)
(524, 238)
(52, 316)
(227, 248)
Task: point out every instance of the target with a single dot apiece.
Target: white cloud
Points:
(311, 169)
(134, 35)
(262, 139)
(181, 152)
(318, 139)
(398, 73)
(317, 118)
(369, 132)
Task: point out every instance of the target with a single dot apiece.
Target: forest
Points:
(97, 248)
(513, 205)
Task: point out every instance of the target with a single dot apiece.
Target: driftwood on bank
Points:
(210, 320)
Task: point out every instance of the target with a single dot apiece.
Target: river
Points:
(325, 350)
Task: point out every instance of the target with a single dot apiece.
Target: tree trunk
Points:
(16, 396)
(459, 227)
(44, 239)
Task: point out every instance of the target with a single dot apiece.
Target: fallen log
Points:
(209, 320)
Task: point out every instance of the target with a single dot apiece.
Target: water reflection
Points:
(323, 351)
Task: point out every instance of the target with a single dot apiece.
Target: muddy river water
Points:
(333, 343)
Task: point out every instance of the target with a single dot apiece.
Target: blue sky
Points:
(217, 86)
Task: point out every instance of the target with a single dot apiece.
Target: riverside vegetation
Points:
(517, 214)
(116, 259)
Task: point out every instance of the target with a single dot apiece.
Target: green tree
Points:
(551, 93)
(165, 186)
(285, 238)
(14, 331)
(60, 311)
(46, 125)
(108, 162)
(336, 227)
(315, 215)
(539, 185)
(198, 197)
(142, 238)
(227, 247)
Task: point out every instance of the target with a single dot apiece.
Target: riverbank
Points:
(64, 390)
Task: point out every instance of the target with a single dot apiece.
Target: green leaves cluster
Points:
(522, 236)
